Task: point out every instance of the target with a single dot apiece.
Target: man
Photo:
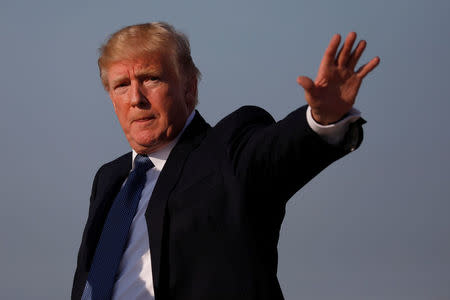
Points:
(194, 211)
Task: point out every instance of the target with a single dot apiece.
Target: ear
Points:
(190, 93)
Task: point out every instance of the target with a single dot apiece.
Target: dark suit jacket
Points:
(215, 214)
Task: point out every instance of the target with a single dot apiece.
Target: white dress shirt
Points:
(134, 278)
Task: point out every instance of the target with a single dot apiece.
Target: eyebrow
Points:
(139, 74)
(148, 70)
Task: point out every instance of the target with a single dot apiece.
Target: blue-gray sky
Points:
(374, 225)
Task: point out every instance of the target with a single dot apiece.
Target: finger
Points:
(306, 83)
(356, 55)
(330, 52)
(367, 68)
(344, 54)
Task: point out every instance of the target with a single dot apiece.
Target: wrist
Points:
(333, 133)
(327, 119)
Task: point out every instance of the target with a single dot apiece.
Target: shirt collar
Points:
(160, 156)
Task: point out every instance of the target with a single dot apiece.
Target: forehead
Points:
(155, 62)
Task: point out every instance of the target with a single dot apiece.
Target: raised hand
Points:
(334, 91)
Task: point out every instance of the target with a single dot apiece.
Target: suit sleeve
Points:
(277, 158)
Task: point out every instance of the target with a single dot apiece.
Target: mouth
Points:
(144, 119)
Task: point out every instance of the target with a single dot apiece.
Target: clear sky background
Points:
(374, 225)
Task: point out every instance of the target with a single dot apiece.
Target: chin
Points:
(147, 145)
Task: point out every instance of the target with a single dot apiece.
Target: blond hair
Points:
(140, 40)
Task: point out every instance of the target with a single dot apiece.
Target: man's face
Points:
(151, 102)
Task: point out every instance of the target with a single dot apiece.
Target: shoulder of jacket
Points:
(245, 116)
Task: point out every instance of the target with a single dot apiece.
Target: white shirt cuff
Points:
(333, 133)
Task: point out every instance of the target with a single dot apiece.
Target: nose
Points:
(137, 98)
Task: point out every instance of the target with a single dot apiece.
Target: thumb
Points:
(305, 82)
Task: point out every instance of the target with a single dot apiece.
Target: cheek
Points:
(122, 115)
(173, 114)
(164, 105)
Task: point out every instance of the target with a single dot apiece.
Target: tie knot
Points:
(142, 163)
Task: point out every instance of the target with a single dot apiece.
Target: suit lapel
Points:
(115, 177)
(156, 210)
(109, 185)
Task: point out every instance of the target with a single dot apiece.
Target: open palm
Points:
(334, 91)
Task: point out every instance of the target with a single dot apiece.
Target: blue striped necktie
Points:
(114, 236)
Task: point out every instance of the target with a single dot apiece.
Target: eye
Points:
(121, 87)
(151, 79)
(122, 84)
